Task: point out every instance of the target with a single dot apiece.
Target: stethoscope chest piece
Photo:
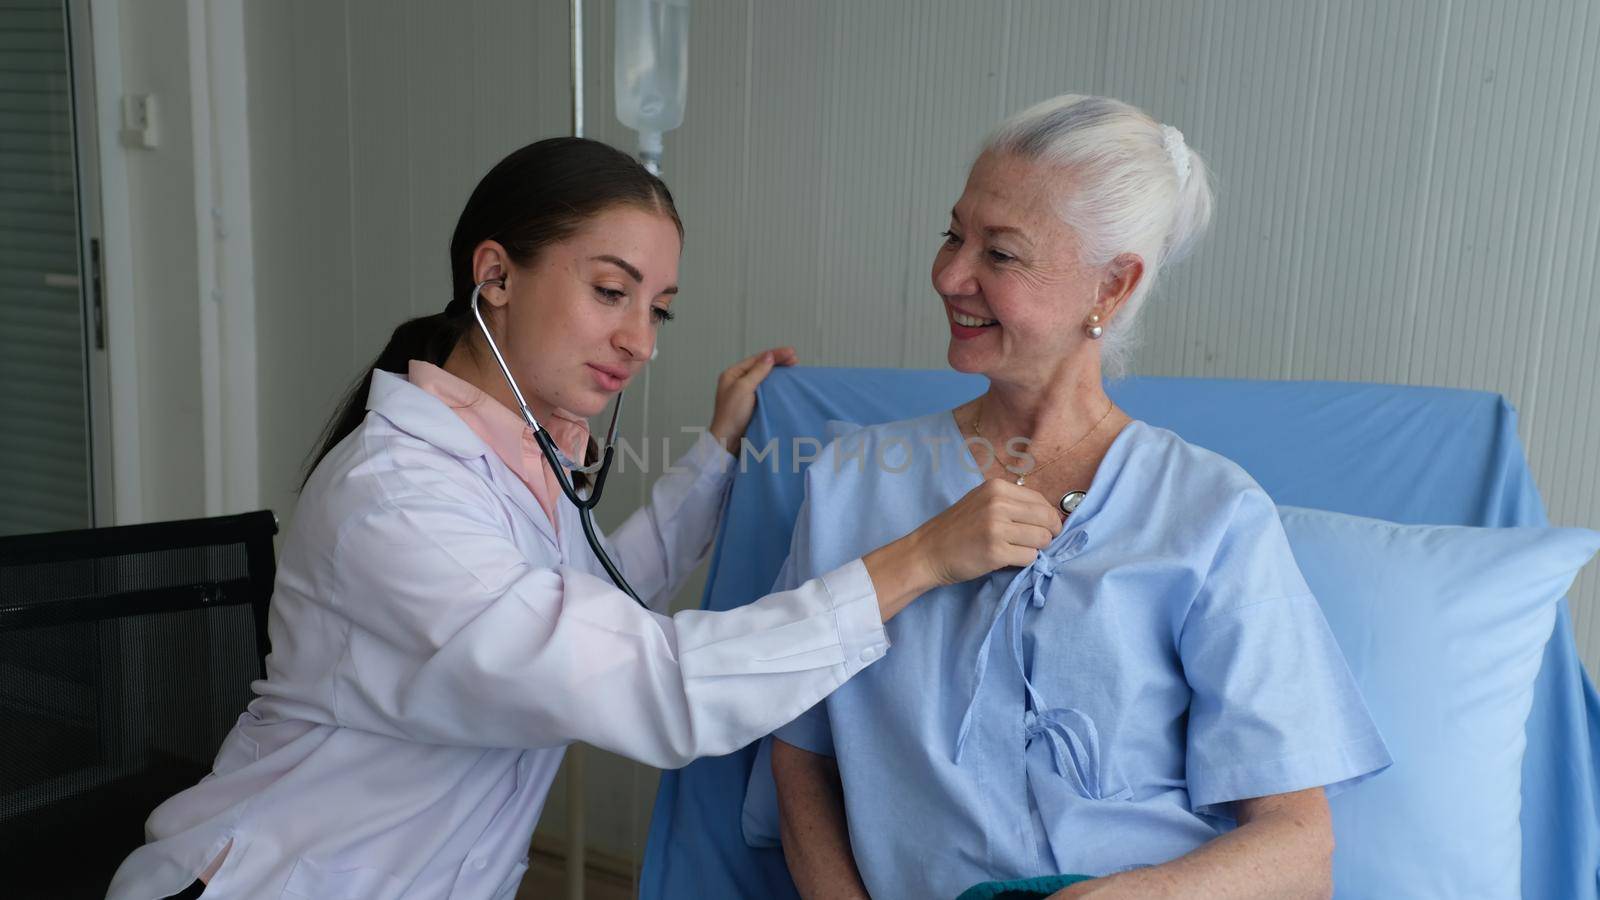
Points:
(1070, 501)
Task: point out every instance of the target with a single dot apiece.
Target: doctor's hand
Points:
(997, 524)
(736, 394)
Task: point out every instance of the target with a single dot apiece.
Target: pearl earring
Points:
(1091, 327)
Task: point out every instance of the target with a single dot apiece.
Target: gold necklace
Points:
(1023, 478)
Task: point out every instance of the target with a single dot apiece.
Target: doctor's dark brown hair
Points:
(537, 196)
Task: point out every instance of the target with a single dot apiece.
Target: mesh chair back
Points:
(126, 654)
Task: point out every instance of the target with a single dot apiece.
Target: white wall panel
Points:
(163, 289)
(301, 193)
(377, 84)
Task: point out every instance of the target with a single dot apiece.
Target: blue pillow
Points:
(1444, 628)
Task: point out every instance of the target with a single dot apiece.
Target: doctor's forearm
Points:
(665, 540)
(900, 574)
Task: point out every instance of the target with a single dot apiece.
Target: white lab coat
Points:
(435, 647)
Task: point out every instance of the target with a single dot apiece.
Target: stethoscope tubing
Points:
(558, 460)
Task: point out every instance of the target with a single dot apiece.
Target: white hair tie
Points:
(1172, 139)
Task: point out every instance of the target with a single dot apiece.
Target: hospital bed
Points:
(1403, 454)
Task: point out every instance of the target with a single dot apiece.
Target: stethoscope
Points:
(558, 460)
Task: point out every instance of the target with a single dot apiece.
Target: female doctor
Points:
(440, 627)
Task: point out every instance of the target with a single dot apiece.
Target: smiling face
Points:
(1015, 291)
(580, 320)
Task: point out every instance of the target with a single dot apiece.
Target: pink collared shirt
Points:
(505, 431)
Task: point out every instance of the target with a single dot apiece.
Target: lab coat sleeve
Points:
(811, 730)
(662, 542)
(454, 637)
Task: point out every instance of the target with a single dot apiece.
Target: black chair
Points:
(126, 654)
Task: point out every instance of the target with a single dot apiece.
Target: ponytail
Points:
(427, 338)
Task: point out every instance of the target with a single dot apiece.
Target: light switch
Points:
(140, 122)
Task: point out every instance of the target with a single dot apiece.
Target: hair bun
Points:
(1172, 139)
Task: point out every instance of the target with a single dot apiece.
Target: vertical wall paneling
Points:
(793, 46)
(329, 272)
(378, 83)
(442, 140)
(957, 54)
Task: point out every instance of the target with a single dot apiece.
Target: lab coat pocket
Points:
(238, 749)
(324, 882)
(508, 888)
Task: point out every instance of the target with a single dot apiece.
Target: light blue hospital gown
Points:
(1094, 712)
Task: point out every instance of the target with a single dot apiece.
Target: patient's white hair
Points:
(1134, 187)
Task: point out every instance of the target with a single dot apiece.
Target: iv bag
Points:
(652, 70)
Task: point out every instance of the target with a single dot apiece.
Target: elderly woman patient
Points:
(1156, 700)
